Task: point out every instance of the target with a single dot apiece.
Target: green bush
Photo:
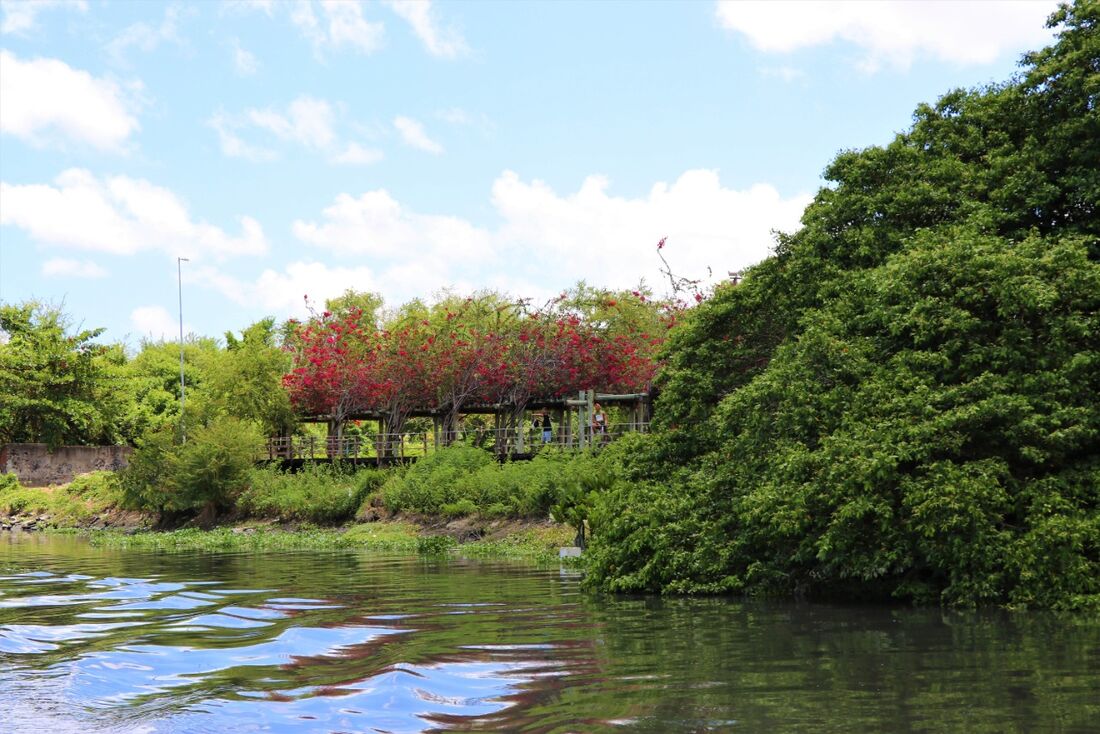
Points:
(8, 481)
(904, 401)
(16, 499)
(463, 480)
(206, 472)
(320, 493)
(430, 483)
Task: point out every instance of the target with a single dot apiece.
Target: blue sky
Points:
(289, 148)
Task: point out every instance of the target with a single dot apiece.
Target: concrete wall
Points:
(36, 466)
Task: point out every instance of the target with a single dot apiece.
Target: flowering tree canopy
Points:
(463, 351)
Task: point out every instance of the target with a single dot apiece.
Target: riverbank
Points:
(460, 500)
(535, 542)
(87, 508)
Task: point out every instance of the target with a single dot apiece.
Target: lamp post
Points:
(183, 388)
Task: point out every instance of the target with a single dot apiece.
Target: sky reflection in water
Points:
(123, 641)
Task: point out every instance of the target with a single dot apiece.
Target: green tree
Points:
(366, 306)
(50, 378)
(903, 400)
(150, 384)
(245, 380)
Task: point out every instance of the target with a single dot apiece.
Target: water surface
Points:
(98, 640)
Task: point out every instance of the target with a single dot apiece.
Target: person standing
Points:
(547, 428)
(599, 422)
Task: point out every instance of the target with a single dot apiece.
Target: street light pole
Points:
(183, 388)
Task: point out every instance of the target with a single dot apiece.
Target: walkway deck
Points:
(403, 448)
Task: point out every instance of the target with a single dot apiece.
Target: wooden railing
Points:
(389, 446)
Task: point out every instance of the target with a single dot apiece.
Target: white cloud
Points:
(348, 27)
(145, 37)
(342, 25)
(454, 116)
(22, 15)
(63, 268)
(355, 154)
(46, 101)
(232, 144)
(244, 61)
(307, 121)
(412, 132)
(893, 32)
(546, 240)
(154, 322)
(376, 224)
(607, 239)
(266, 7)
(446, 43)
(283, 291)
(120, 215)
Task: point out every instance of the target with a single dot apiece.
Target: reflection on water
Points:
(123, 641)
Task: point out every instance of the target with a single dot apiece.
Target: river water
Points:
(95, 640)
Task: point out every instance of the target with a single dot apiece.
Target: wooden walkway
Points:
(404, 448)
(572, 428)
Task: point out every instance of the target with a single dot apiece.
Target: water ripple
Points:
(93, 641)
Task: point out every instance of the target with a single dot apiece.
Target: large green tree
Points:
(904, 399)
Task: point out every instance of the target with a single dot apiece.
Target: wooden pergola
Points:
(572, 419)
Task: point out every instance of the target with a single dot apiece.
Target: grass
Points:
(539, 545)
(386, 536)
(78, 502)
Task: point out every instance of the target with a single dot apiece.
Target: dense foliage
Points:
(206, 472)
(483, 349)
(905, 399)
(51, 379)
(463, 480)
(319, 493)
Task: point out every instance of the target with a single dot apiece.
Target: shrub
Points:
(208, 471)
(102, 487)
(430, 483)
(462, 480)
(318, 493)
(16, 499)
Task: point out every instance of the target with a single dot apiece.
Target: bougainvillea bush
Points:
(482, 349)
